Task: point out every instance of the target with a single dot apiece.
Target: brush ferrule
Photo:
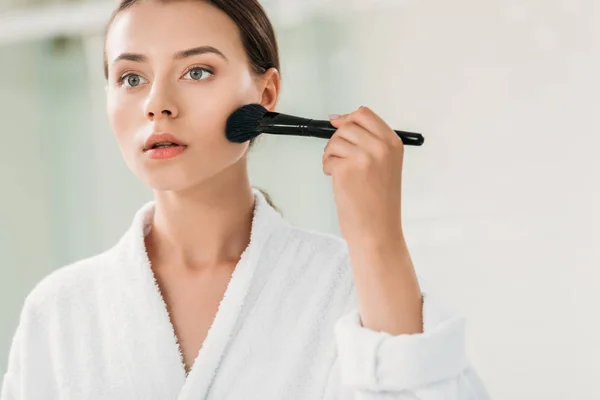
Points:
(282, 124)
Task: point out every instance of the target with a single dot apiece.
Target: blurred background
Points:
(501, 204)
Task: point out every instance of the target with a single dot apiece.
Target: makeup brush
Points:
(249, 121)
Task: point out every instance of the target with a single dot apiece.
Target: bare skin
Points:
(204, 200)
(193, 300)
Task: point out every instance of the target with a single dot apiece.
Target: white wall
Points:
(42, 170)
(25, 242)
(501, 204)
(501, 198)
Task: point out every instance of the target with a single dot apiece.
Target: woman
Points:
(211, 294)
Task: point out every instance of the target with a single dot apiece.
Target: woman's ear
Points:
(270, 89)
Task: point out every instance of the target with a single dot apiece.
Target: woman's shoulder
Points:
(318, 246)
(317, 257)
(69, 283)
(321, 240)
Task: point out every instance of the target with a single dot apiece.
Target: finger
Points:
(339, 147)
(369, 120)
(359, 136)
(331, 163)
(338, 119)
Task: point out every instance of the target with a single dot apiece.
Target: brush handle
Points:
(324, 129)
(283, 124)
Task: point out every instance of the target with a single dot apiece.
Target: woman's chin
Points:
(182, 176)
(174, 179)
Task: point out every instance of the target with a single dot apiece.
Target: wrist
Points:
(380, 241)
(378, 250)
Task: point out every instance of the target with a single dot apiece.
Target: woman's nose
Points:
(160, 105)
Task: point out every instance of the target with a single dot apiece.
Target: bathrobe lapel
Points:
(157, 339)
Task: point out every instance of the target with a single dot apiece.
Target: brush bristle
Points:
(243, 123)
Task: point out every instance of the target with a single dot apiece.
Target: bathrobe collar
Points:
(164, 359)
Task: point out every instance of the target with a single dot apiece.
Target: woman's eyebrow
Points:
(140, 58)
(199, 50)
(131, 57)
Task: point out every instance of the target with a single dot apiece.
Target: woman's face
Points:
(158, 83)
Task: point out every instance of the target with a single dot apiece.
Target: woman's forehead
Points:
(161, 29)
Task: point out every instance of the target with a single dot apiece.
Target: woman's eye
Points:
(132, 80)
(198, 73)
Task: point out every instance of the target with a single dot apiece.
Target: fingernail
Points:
(334, 116)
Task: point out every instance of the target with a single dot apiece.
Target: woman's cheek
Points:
(114, 109)
(208, 120)
(122, 117)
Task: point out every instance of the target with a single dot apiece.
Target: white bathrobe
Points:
(287, 328)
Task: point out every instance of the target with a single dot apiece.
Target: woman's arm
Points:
(14, 385)
(364, 158)
(11, 382)
(431, 365)
(395, 345)
(466, 386)
(400, 343)
(9, 388)
(389, 295)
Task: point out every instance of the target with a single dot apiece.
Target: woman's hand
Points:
(364, 158)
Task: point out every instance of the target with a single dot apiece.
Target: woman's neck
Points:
(203, 228)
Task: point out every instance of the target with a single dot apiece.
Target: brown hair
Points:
(256, 32)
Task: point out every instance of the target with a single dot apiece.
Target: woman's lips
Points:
(165, 153)
(157, 138)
